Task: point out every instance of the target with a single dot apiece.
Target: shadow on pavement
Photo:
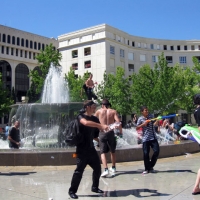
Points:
(124, 193)
(16, 173)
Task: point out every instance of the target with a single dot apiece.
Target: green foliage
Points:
(162, 88)
(32, 95)
(5, 101)
(45, 58)
(116, 88)
(75, 86)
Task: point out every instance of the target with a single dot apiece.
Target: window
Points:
(169, 59)
(21, 53)
(139, 45)
(35, 45)
(171, 48)
(25, 54)
(131, 67)
(12, 51)
(192, 47)
(87, 64)
(142, 57)
(39, 46)
(145, 45)
(198, 57)
(16, 52)
(151, 46)
(185, 47)
(33, 56)
(112, 50)
(128, 42)
(2, 49)
(198, 47)
(7, 50)
(27, 43)
(182, 59)
(31, 44)
(87, 51)
(122, 53)
(158, 46)
(22, 42)
(13, 39)
(75, 66)
(165, 47)
(154, 58)
(18, 41)
(29, 55)
(4, 37)
(178, 47)
(130, 56)
(74, 53)
(133, 44)
(8, 39)
(43, 47)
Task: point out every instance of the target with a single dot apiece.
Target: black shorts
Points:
(107, 142)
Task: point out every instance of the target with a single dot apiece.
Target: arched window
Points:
(8, 39)
(21, 80)
(4, 37)
(35, 45)
(22, 42)
(43, 47)
(39, 46)
(18, 41)
(27, 43)
(31, 44)
(13, 39)
(6, 71)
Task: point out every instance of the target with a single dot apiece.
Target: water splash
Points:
(55, 87)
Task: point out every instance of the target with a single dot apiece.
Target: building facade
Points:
(102, 48)
(17, 57)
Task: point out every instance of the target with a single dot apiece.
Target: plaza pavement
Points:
(174, 179)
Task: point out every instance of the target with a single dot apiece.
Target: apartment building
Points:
(17, 57)
(102, 48)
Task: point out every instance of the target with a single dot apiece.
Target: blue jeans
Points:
(148, 164)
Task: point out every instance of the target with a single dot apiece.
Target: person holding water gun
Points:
(149, 139)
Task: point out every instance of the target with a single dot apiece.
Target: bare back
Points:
(107, 116)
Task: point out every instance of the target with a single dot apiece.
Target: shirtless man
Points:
(107, 141)
(90, 85)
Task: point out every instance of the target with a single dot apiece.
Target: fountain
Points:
(42, 126)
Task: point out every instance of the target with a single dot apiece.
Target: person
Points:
(85, 151)
(7, 131)
(149, 139)
(14, 136)
(169, 125)
(90, 86)
(196, 99)
(107, 141)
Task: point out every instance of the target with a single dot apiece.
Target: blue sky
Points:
(162, 19)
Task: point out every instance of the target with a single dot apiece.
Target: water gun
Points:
(162, 117)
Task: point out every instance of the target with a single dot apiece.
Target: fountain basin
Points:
(57, 157)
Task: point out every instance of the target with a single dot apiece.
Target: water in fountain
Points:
(55, 87)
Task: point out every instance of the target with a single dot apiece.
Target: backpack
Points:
(73, 137)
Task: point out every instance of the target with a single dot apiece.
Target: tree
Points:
(162, 88)
(45, 58)
(75, 86)
(5, 101)
(116, 88)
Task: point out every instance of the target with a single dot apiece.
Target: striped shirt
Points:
(148, 131)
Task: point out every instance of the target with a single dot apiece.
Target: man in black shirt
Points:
(14, 136)
(86, 153)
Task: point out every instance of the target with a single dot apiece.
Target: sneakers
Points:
(112, 170)
(145, 172)
(105, 173)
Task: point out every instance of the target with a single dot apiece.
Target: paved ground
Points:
(174, 179)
